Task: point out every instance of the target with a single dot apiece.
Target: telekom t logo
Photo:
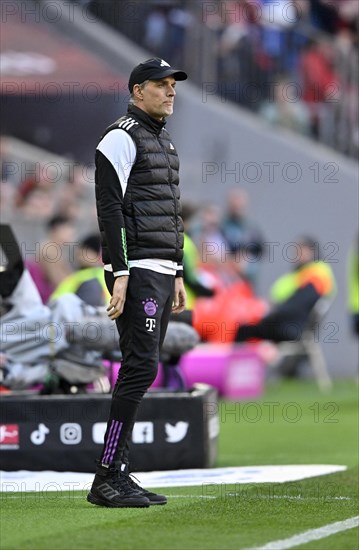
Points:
(150, 324)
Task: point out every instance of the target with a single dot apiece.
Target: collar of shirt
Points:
(150, 123)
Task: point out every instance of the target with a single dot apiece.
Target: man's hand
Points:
(118, 299)
(180, 298)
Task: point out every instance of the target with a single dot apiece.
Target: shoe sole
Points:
(159, 503)
(93, 499)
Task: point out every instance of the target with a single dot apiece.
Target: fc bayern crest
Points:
(150, 306)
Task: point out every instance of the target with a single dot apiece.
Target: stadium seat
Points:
(309, 347)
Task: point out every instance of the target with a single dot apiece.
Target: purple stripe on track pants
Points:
(111, 442)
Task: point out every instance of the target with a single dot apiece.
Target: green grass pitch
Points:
(292, 424)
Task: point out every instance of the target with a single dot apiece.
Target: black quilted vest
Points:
(152, 209)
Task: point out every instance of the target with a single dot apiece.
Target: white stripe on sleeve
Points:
(120, 149)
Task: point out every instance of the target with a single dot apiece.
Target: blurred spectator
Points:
(317, 72)
(165, 32)
(324, 15)
(87, 282)
(206, 233)
(320, 82)
(294, 296)
(35, 197)
(348, 108)
(37, 204)
(195, 280)
(179, 22)
(68, 204)
(353, 285)
(217, 318)
(76, 198)
(349, 19)
(240, 234)
(155, 31)
(286, 111)
(242, 63)
(278, 16)
(53, 260)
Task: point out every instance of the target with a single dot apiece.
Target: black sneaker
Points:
(111, 488)
(154, 498)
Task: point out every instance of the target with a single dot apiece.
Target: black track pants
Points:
(142, 328)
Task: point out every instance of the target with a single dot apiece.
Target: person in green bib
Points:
(196, 282)
(353, 285)
(87, 282)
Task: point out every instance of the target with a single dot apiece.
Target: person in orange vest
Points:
(217, 318)
(293, 296)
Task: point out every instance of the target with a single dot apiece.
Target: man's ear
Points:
(137, 91)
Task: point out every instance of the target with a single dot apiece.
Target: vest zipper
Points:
(170, 184)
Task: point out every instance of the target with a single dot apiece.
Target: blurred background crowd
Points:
(294, 62)
(55, 222)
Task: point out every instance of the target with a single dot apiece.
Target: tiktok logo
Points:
(38, 436)
(150, 324)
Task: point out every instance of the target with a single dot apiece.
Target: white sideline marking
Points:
(312, 534)
(254, 496)
(247, 497)
(215, 478)
(24, 496)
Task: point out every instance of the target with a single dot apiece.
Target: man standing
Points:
(138, 206)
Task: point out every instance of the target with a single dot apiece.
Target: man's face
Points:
(305, 254)
(156, 97)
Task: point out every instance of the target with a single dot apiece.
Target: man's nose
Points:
(172, 91)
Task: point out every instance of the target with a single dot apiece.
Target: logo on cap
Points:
(164, 63)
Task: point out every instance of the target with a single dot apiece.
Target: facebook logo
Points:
(142, 432)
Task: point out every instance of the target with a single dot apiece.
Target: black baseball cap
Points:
(153, 69)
